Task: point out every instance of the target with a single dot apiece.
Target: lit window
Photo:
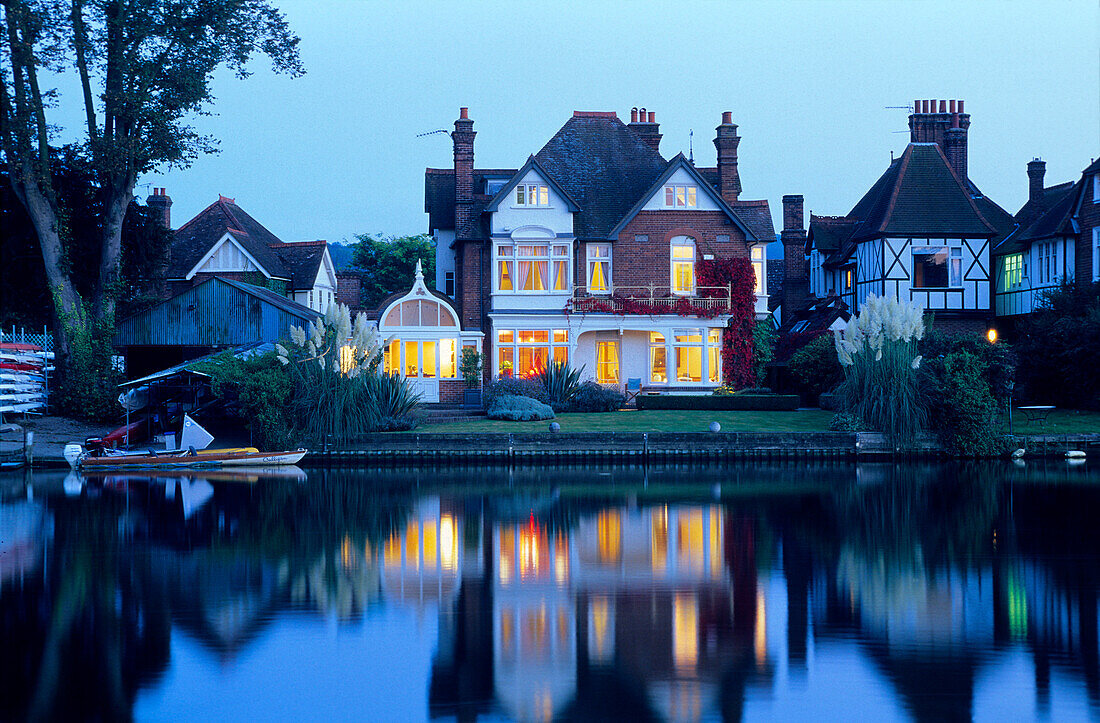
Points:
(758, 268)
(688, 346)
(560, 262)
(526, 352)
(505, 266)
(680, 196)
(607, 362)
(391, 358)
(1012, 271)
(449, 283)
(527, 267)
(532, 194)
(658, 358)
(599, 268)
(448, 353)
(412, 351)
(937, 267)
(714, 354)
(848, 279)
(683, 265)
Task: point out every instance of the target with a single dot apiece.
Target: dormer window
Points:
(680, 196)
(492, 185)
(532, 194)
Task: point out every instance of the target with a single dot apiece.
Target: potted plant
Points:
(470, 368)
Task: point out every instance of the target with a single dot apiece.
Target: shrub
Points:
(815, 367)
(561, 383)
(519, 409)
(763, 348)
(257, 390)
(88, 378)
(735, 402)
(845, 422)
(531, 388)
(756, 390)
(1059, 345)
(592, 397)
(998, 361)
(963, 406)
(878, 350)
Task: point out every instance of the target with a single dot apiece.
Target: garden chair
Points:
(633, 389)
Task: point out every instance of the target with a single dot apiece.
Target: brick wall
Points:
(348, 290)
(471, 282)
(961, 324)
(1088, 218)
(451, 391)
(637, 262)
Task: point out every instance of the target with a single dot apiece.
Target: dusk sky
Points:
(813, 86)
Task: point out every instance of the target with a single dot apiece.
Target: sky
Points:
(814, 87)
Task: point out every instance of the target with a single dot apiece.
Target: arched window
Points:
(419, 312)
(683, 265)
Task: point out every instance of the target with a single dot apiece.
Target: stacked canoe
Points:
(23, 370)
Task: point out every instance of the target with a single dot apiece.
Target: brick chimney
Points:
(1036, 172)
(463, 138)
(645, 125)
(726, 140)
(944, 123)
(796, 279)
(161, 203)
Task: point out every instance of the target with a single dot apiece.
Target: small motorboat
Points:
(191, 454)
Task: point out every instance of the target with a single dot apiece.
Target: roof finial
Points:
(419, 271)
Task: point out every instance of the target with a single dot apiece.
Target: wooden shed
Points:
(215, 315)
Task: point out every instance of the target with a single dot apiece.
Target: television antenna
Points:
(432, 133)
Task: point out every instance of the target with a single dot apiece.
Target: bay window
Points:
(937, 267)
(532, 266)
(599, 268)
(688, 347)
(527, 352)
(683, 265)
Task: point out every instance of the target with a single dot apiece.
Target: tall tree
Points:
(145, 68)
(386, 264)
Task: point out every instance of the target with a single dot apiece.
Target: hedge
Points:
(737, 402)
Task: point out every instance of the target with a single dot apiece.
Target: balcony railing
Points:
(653, 299)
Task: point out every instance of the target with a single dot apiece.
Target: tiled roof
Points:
(302, 260)
(757, 215)
(1094, 167)
(819, 314)
(1049, 215)
(439, 193)
(919, 194)
(831, 235)
(604, 166)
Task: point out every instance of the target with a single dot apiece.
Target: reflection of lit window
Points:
(448, 543)
(685, 632)
(760, 631)
(534, 555)
(689, 539)
(563, 630)
(659, 540)
(347, 555)
(507, 634)
(561, 559)
(412, 545)
(599, 629)
(715, 542)
(609, 541)
(391, 551)
(430, 539)
(507, 555)
(534, 636)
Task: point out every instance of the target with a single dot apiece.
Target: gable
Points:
(227, 256)
(704, 194)
(326, 273)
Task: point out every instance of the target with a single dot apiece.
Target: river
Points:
(750, 591)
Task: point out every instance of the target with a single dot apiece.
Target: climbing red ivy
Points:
(737, 349)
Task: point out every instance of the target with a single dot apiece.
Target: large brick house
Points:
(547, 261)
(1056, 239)
(923, 232)
(223, 240)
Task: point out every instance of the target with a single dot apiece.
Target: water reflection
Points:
(922, 591)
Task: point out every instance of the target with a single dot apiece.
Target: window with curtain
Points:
(688, 346)
(505, 268)
(758, 268)
(560, 263)
(533, 267)
(599, 268)
(607, 362)
(527, 352)
(677, 196)
(714, 354)
(683, 265)
(658, 358)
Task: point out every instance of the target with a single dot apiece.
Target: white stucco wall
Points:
(444, 257)
(556, 217)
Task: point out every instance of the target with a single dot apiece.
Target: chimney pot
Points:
(924, 106)
(952, 104)
(943, 106)
(463, 112)
(652, 117)
(960, 107)
(641, 115)
(634, 115)
(727, 118)
(916, 106)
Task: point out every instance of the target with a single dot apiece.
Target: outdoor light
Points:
(992, 336)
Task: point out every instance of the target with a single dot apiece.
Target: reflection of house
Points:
(423, 562)
(589, 252)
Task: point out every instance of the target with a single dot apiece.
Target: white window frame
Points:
(1013, 273)
(591, 261)
(954, 253)
(679, 195)
(556, 250)
(555, 339)
(531, 195)
(654, 345)
(759, 267)
(673, 260)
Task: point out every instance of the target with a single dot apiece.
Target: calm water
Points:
(833, 592)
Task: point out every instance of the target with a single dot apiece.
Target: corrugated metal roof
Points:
(241, 352)
(216, 313)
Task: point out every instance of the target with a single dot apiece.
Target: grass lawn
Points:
(652, 420)
(1060, 421)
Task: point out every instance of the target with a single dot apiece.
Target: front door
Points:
(421, 369)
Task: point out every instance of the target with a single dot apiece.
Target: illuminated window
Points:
(688, 345)
(758, 268)
(683, 265)
(658, 358)
(680, 196)
(448, 361)
(412, 350)
(599, 268)
(1013, 271)
(526, 352)
(935, 267)
(848, 279)
(391, 358)
(532, 194)
(427, 365)
(714, 354)
(607, 362)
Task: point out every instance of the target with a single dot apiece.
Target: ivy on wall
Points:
(737, 352)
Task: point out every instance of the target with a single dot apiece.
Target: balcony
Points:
(707, 301)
